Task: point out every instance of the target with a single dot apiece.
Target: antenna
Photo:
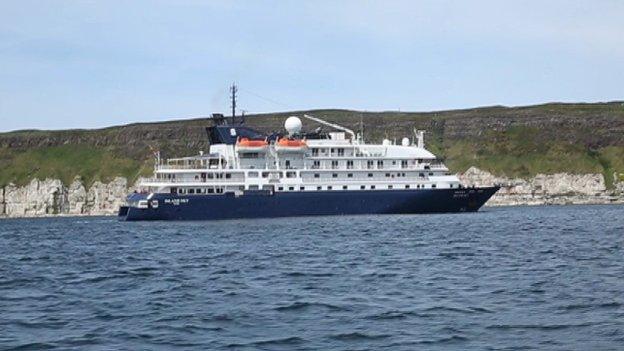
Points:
(233, 91)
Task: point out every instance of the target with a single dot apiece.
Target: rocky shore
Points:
(546, 189)
(51, 197)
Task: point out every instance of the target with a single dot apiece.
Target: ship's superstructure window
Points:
(340, 152)
(344, 187)
(350, 164)
(369, 164)
(316, 164)
(291, 174)
(370, 175)
(334, 175)
(315, 152)
(380, 164)
(253, 174)
(334, 164)
(316, 175)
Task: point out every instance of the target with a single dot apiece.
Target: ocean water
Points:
(519, 278)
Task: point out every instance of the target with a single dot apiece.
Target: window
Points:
(422, 175)
(210, 175)
(191, 191)
(228, 176)
(287, 163)
(372, 187)
(316, 164)
(340, 152)
(387, 174)
(315, 152)
(329, 187)
(291, 188)
(434, 186)
(370, 175)
(319, 188)
(407, 186)
(362, 187)
(291, 174)
(380, 164)
(334, 164)
(350, 164)
(302, 188)
(369, 164)
(253, 174)
(350, 175)
(344, 187)
(389, 186)
(316, 175)
(198, 191)
(334, 175)
(219, 190)
(403, 163)
(210, 190)
(430, 173)
(280, 188)
(265, 174)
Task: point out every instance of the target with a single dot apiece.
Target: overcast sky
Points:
(84, 64)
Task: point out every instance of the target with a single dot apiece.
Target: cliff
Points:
(546, 189)
(51, 197)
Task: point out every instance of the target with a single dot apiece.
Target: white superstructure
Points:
(342, 161)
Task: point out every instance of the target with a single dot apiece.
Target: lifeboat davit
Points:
(249, 145)
(291, 145)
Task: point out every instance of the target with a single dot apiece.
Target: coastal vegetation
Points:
(506, 141)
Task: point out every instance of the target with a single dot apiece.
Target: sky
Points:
(89, 64)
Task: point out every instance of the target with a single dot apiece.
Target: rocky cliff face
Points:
(52, 197)
(551, 189)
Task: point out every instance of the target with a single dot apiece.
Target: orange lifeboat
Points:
(291, 145)
(251, 145)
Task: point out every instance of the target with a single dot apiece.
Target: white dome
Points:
(293, 125)
(386, 142)
(405, 142)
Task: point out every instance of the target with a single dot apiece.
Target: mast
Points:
(233, 91)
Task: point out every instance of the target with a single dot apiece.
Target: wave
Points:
(353, 336)
(300, 305)
(292, 340)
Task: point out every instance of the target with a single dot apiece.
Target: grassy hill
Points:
(509, 141)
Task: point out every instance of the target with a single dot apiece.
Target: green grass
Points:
(66, 162)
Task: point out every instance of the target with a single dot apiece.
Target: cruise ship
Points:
(248, 174)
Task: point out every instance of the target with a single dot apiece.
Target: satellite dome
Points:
(293, 125)
(405, 142)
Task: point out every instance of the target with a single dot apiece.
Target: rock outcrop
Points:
(50, 197)
(551, 189)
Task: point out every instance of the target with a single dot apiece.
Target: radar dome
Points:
(293, 125)
(405, 142)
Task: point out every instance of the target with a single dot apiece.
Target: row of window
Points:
(220, 190)
(362, 187)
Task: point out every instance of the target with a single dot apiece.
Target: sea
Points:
(511, 278)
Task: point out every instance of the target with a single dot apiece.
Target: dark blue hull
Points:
(321, 203)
